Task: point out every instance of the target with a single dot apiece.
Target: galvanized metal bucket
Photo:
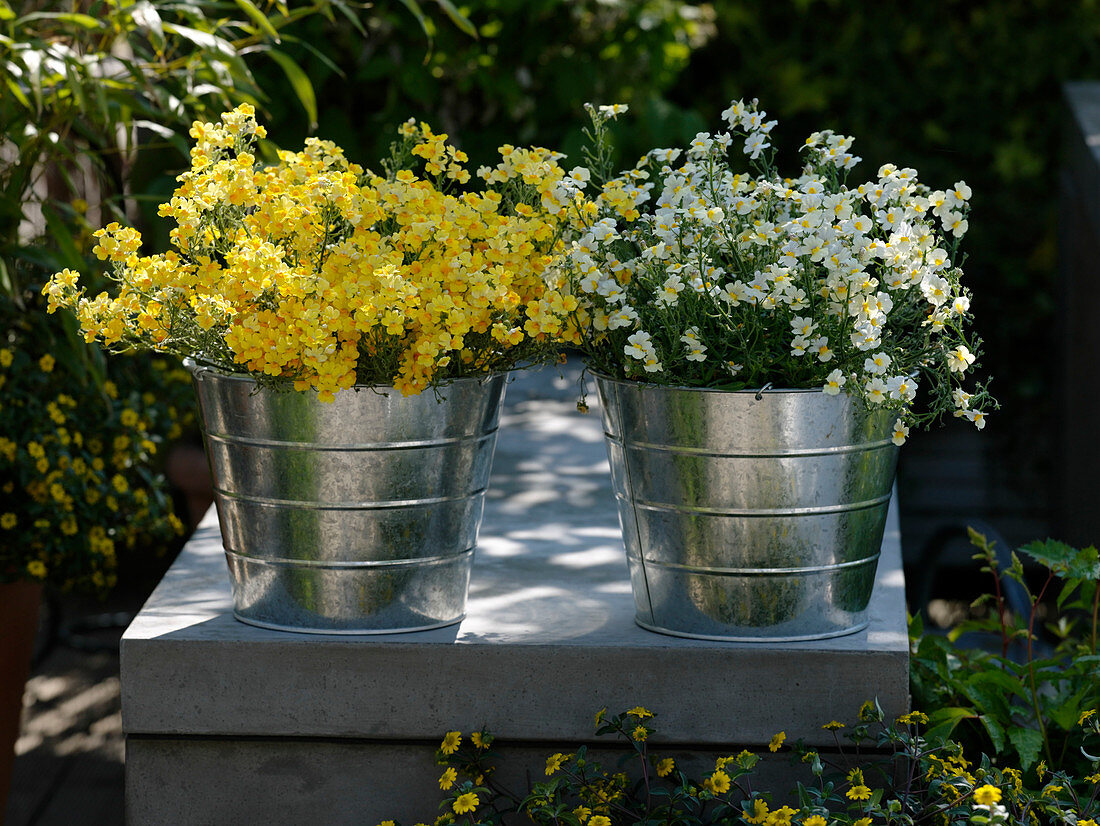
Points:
(358, 516)
(748, 516)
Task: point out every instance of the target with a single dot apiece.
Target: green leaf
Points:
(944, 720)
(350, 15)
(84, 20)
(145, 15)
(995, 731)
(1028, 743)
(204, 40)
(1065, 561)
(259, 18)
(418, 13)
(17, 93)
(458, 18)
(300, 82)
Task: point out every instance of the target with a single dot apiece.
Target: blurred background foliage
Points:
(958, 89)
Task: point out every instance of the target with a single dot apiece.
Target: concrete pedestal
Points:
(230, 723)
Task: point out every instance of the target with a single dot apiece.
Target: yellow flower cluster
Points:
(317, 271)
(74, 483)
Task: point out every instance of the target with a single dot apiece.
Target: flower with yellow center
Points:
(717, 783)
(465, 803)
(759, 812)
(858, 792)
(448, 779)
(777, 741)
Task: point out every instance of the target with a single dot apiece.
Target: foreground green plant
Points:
(909, 778)
(1028, 700)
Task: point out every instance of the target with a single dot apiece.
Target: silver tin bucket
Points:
(748, 516)
(359, 516)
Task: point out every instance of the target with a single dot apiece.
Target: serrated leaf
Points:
(259, 18)
(1027, 743)
(995, 731)
(299, 81)
(1064, 560)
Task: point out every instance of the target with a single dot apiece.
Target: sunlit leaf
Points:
(83, 20)
(204, 40)
(259, 18)
(299, 80)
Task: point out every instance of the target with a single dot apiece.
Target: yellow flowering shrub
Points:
(317, 271)
(78, 482)
(904, 773)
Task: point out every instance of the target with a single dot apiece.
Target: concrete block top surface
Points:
(549, 637)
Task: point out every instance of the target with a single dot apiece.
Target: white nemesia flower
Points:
(901, 433)
(877, 364)
(833, 382)
(876, 390)
(959, 359)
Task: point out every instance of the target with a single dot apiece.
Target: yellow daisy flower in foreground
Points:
(858, 792)
(665, 767)
(1085, 715)
(777, 741)
(814, 820)
(759, 813)
(640, 712)
(717, 783)
(451, 742)
(987, 794)
(862, 821)
(480, 740)
(833, 725)
(465, 803)
(640, 733)
(599, 820)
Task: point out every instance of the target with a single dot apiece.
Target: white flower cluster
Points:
(691, 273)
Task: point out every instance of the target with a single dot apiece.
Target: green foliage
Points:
(78, 487)
(1030, 701)
(522, 81)
(881, 771)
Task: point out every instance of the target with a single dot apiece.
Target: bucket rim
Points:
(222, 374)
(649, 385)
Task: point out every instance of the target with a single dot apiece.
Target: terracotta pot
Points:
(19, 603)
